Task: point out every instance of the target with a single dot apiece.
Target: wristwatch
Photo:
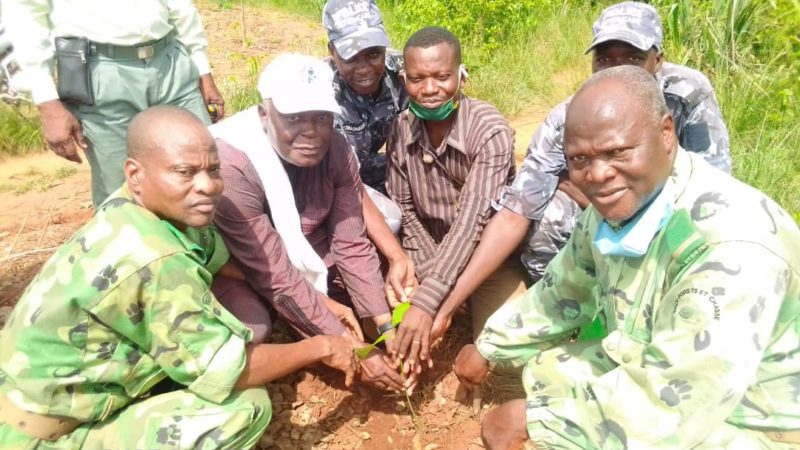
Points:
(385, 327)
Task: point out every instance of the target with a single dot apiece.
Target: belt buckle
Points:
(145, 51)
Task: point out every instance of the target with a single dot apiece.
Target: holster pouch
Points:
(72, 68)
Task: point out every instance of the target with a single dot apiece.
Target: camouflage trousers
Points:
(554, 378)
(548, 235)
(178, 419)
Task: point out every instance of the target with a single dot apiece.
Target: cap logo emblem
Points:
(308, 75)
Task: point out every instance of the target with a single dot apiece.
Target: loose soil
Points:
(311, 409)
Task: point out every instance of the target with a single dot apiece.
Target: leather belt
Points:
(143, 51)
(787, 437)
(40, 426)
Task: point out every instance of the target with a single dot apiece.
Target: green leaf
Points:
(399, 312)
(397, 317)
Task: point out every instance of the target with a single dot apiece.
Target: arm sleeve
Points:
(709, 332)
(261, 254)
(533, 187)
(490, 168)
(353, 253)
(550, 311)
(705, 132)
(189, 31)
(167, 309)
(29, 28)
(417, 242)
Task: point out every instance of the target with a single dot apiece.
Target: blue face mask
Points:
(634, 237)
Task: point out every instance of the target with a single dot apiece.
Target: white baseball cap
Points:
(298, 83)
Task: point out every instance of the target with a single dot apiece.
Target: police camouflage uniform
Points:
(700, 332)
(366, 121)
(121, 306)
(534, 193)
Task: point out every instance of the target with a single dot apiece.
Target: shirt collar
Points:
(456, 137)
(187, 240)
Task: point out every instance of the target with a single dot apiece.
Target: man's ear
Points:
(659, 60)
(133, 174)
(668, 136)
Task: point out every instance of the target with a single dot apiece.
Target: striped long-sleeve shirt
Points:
(445, 193)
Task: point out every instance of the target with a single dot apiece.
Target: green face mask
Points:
(437, 114)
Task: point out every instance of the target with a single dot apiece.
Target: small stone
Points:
(295, 434)
(431, 446)
(364, 435)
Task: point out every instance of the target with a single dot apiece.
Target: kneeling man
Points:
(126, 304)
(684, 281)
(449, 156)
(291, 215)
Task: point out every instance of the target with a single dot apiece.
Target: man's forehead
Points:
(441, 53)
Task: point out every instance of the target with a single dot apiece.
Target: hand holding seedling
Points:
(412, 342)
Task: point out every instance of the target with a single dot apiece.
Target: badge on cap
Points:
(427, 158)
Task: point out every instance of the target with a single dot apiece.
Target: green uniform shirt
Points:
(123, 304)
(700, 333)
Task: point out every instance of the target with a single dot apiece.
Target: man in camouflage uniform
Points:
(368, 88)
(625, 33)
(366, 80)
(689, 281)
(125, 304)
(541, 206)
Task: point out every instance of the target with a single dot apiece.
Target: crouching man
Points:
(125, 305)
(292, 217)
(684, 283)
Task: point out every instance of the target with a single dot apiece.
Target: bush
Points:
(19, 131)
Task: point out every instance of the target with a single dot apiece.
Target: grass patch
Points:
(34, 179)
(20, 134)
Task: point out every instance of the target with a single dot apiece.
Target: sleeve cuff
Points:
(430, 295)
(332, 327)
(201, 61)
(43, 88)
(222, 373)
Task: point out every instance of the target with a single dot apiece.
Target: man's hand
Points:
(61, 130)
(346, 316)
(440, 325)
(570, 189)
(412, 342)
(339, 354)
(471, 367)
(211, 95)
(400, 280)
(377, 371)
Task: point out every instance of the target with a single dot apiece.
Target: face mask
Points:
(634, 238)
(442, 111)
(437, 114)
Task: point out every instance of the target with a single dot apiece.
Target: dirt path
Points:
(45, 199)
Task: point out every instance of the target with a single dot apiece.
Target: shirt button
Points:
(626, 358)
(612, 347)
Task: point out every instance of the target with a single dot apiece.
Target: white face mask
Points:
(634, 238)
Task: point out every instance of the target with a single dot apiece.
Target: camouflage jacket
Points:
(700, 331)
(366, 121)
(698, 123)
(123, 304)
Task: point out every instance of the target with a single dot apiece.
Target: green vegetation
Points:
(529, 54)
(19, 131)
(35, 179)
